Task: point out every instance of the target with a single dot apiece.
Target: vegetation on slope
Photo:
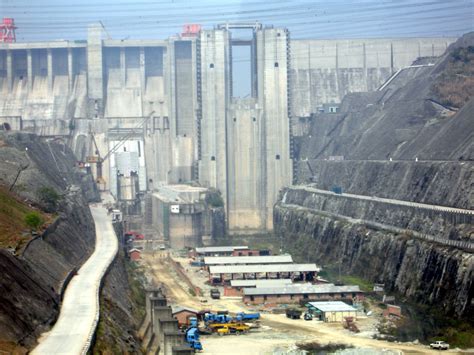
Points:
(14, 229)
(455, 87)
(122, 304)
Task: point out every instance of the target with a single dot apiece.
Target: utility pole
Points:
(18, 175)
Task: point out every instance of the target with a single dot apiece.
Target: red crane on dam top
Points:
(7, 30)
(191, 30)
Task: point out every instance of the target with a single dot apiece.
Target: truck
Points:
(217, 318)
(439, 345)
(215, 294)
(230, 328)
(337, 190)
(192, 338)
(293, 313)
(247, 317)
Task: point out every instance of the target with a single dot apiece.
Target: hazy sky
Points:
(56, 19)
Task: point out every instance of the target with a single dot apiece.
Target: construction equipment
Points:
(350, 324)
(247, 317)
(215, 294)
(223, 317)
(217, 318)
(7, 30)
(192, 338)
(293, 313)
(192, 334)
(98, 160)
(229, 328)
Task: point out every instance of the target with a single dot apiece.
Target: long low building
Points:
(297, 292)
(260, 283)
(221, 251)
(247, 260)
(303, 272)
(236, 286)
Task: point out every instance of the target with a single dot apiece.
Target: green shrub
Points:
(49, 197)
(34, 220)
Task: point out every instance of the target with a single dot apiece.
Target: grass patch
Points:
(137, 291)
(364, 285)
(455, 86)
(13, 226)
(333, 276)
(102, 344)
(458, 333)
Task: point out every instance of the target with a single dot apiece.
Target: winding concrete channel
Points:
(79, 315)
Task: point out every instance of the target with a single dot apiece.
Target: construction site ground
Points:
(277, 334)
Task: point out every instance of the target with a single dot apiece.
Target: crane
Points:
(98, 160)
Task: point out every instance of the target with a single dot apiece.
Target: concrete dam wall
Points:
(56, 80)
(324, 71)
(173, 99)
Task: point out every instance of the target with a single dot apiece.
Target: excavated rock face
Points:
(32, 280)
(121, 312)
(404, 143)
(404, 121)
(447, 183)
(426, 273)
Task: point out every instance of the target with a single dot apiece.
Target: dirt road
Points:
(276, 331)
(163, 274)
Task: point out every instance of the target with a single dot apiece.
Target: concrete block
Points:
(172, 338)
(182, 350)
(160, 312)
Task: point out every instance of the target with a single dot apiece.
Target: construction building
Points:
(180, 214)
(295, 293)
(224, 274)
(148, 113)
(182, 314)
(247, 260)
(218, 250)
(333, 311)
(237, 286)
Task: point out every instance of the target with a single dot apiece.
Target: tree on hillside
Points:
(49, 197)
(33, 220)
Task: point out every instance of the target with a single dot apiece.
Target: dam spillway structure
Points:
(171, 103)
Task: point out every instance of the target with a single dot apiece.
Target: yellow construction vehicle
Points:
(229, 328)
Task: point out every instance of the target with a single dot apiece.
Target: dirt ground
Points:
(277, 334)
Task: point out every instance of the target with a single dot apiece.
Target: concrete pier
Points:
(172, 339)
(50, 69)
(9, 65)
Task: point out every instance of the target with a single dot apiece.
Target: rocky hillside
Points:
(411, 141)
(407, 119)
(122, 307)
(414, 140)
(39, 179)
(380, 243)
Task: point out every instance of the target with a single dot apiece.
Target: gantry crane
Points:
(98, 160)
